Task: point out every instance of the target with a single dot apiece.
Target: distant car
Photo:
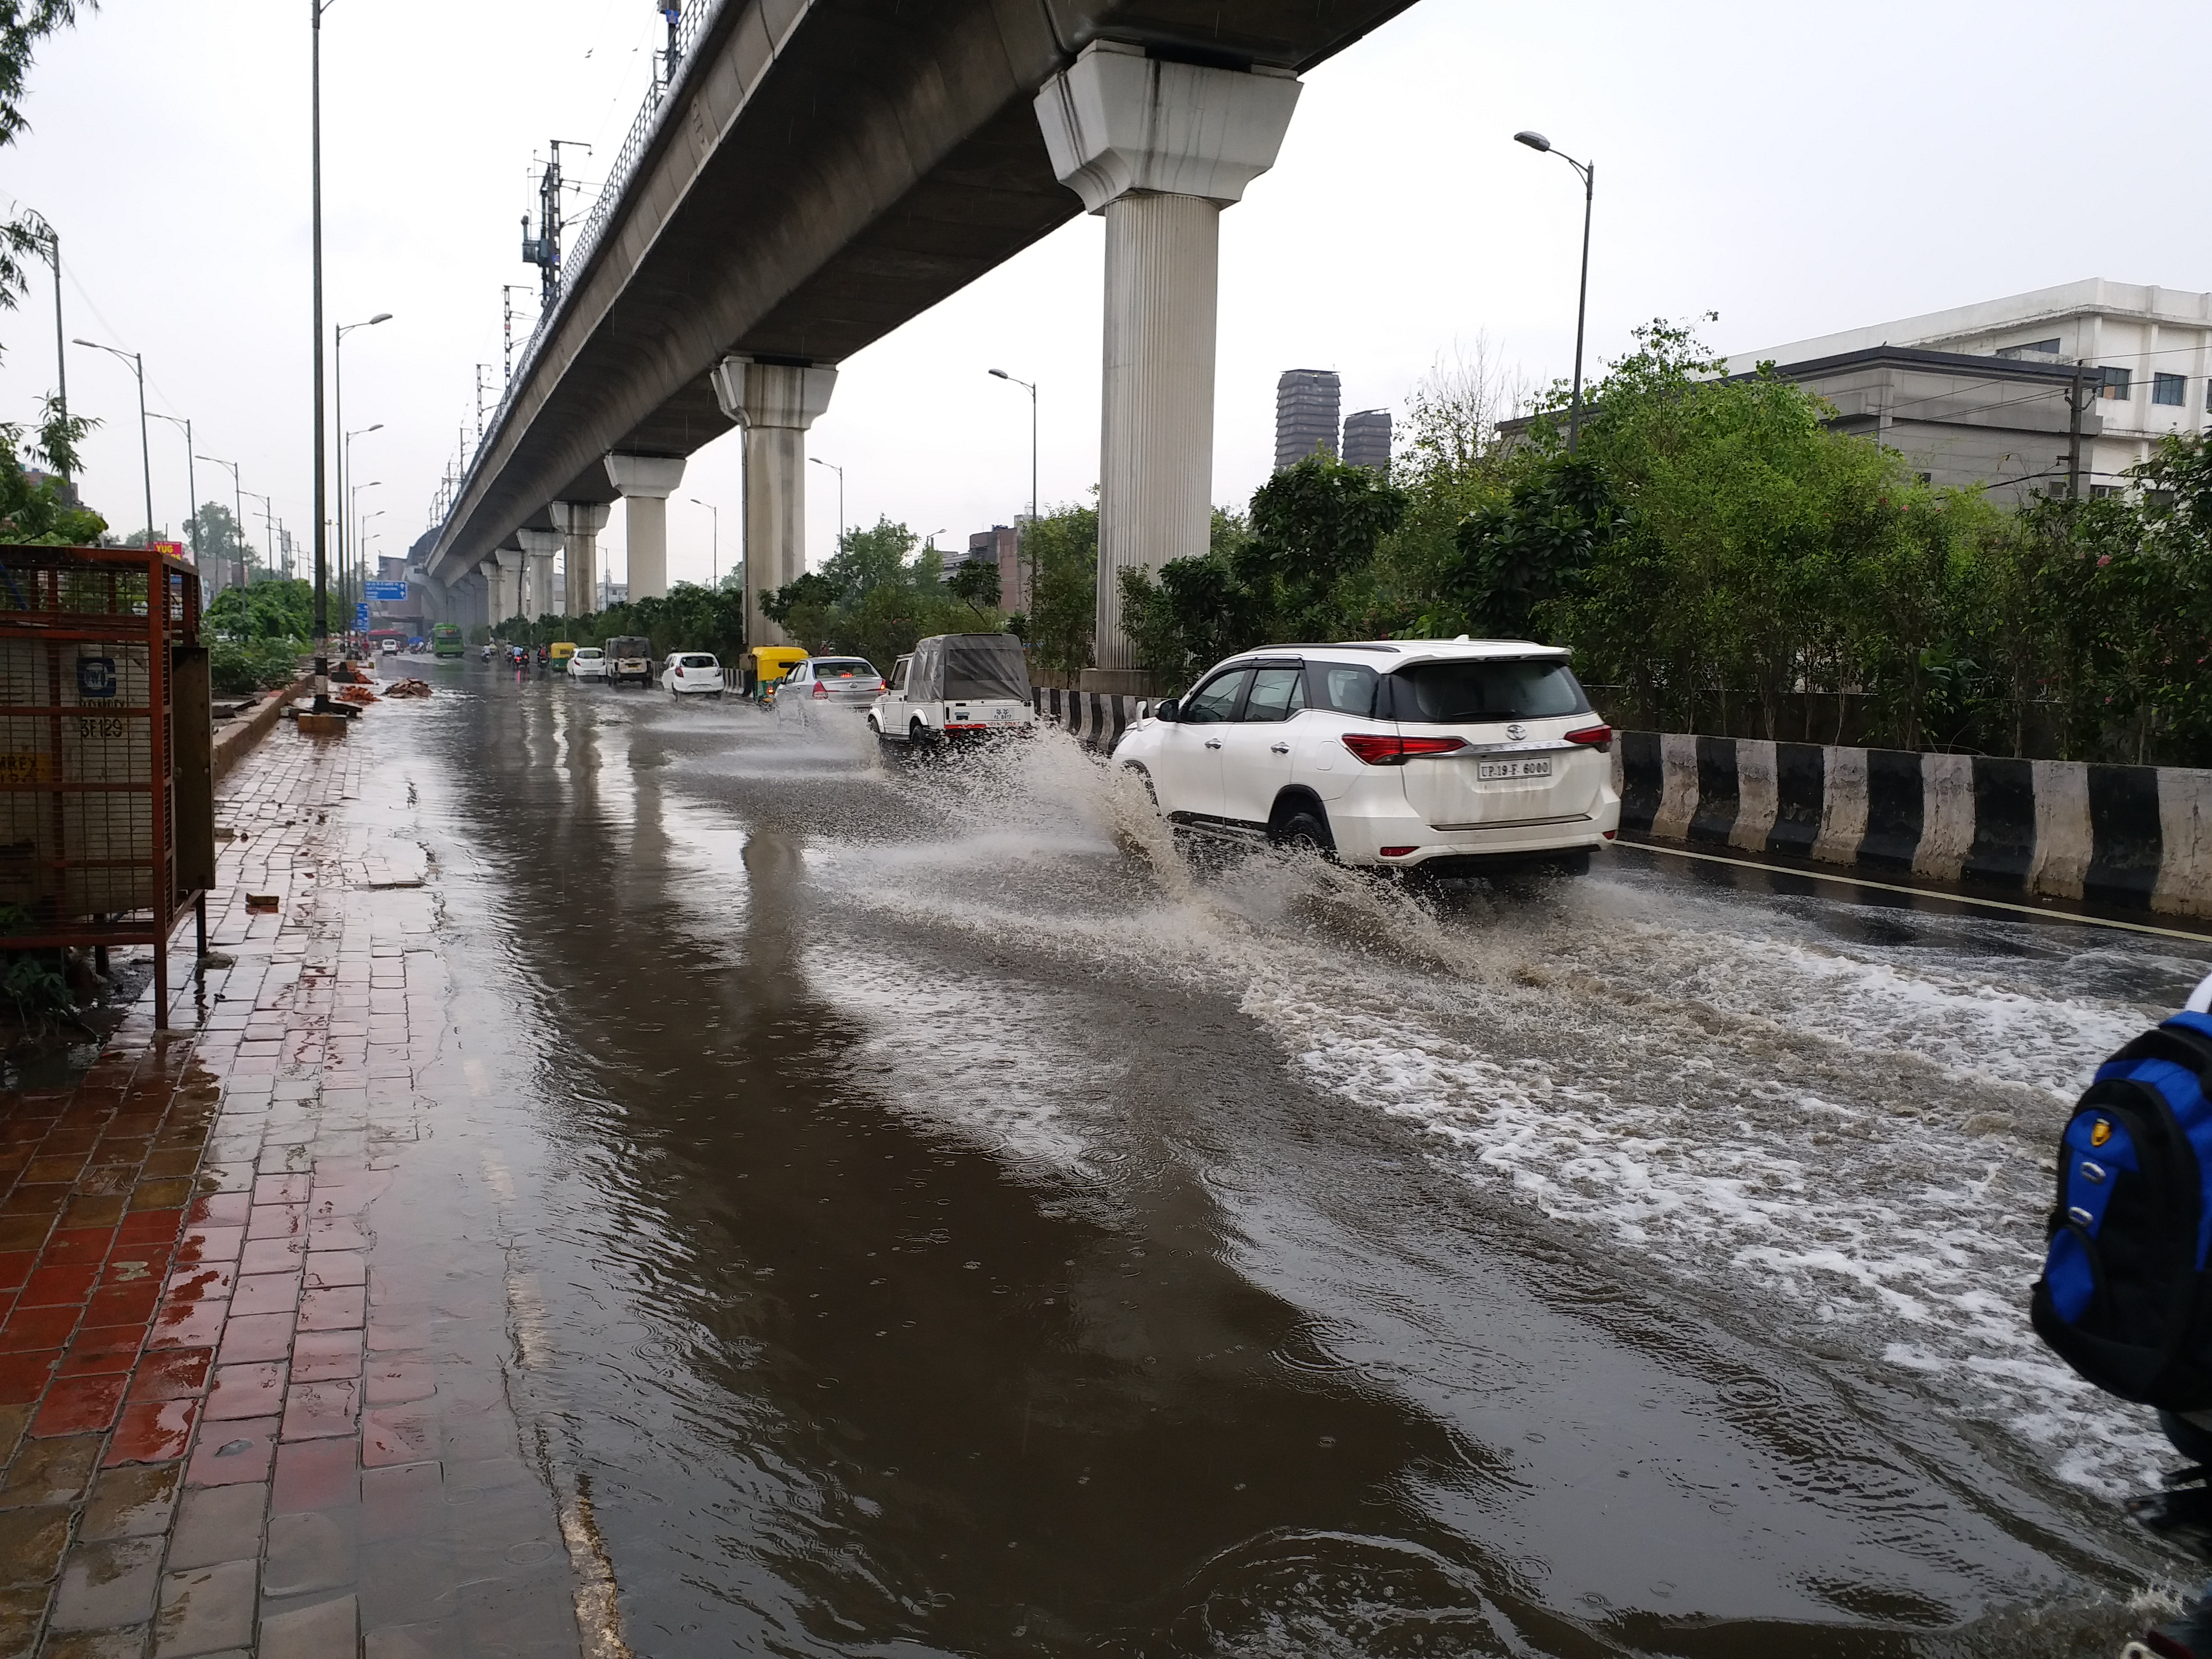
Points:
(1449, 756)
(692, 673)
(956, 686)
(629, 657)
(590, 662)
(820, 684)
(390, 648)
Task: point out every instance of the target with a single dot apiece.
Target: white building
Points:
(2151, 350)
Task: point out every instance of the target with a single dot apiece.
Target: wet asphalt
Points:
(965, 1228)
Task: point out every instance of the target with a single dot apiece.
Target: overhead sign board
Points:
(361, 616)
(388, 592)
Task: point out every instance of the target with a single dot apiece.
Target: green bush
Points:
(237, 668)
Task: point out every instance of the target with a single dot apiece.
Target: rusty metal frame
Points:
(43, 594)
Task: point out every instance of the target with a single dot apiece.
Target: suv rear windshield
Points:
(1495, 689)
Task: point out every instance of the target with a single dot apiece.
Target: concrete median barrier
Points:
(2136, 837)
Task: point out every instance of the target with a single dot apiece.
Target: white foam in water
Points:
(1741, 1087)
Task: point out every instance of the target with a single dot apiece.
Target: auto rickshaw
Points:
(557, 655)
(764, 666)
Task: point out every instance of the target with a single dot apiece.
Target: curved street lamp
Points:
(145, 454)
(1537, 142)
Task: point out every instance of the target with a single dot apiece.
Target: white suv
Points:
(1443, 755)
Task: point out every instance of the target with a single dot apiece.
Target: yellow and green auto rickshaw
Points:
(764, 666)
(557, 655)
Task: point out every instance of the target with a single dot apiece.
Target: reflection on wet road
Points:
(963, 1229)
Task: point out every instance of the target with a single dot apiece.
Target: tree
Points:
(219, 541)
(1063, 546)
(975, 584)
(23, 24)
(35, 507)
(1517, 555)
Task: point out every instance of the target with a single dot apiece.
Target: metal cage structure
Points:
(106, 792)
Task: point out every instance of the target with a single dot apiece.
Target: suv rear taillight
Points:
(820, 689)
(1599, 738)
(679, 670)
(1378, 750)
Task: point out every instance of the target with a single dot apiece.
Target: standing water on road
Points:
(964, 1228)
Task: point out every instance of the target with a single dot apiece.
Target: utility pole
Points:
(673, 11)
(51, 241)
(481, 367)
(191, 480)
(2075, 399)
(506, 293)
(543, 250)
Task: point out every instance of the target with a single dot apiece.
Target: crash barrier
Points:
(1097, 719)
(2136, 837)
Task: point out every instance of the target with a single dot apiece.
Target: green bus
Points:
(446, 639)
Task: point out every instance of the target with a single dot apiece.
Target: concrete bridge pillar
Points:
(774, 403)
(646, 483)
(538, 547)
(580, 524)
(488, 570)
(1159, 149)
(510, 582)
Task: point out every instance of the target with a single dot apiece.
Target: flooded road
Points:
(962, 1229)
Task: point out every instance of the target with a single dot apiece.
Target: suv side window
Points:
(1344, 688)
(1277, 694)
(898, 674)
(1217, 699)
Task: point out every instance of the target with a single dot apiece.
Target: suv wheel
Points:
(1305, 830)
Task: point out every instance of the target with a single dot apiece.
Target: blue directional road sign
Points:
(360, 618)
(388, 592)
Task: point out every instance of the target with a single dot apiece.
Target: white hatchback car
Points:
(1447, 756)
(691, 673)
(590, 662)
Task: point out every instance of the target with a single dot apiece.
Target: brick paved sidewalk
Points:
(235, 1415)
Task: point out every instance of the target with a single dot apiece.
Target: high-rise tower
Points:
(1367, 440)
(1306, 404)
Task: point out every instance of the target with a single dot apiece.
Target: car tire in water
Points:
(1306, 831)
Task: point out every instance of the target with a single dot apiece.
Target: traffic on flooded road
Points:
(966, 1224)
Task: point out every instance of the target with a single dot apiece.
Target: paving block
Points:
(105, 1585)
(205, 1610)
(32, 1542)
(309, 1552)
(316, 1632)
(130, 1503)
(230, 1453)
(218, 1524)
(51, 1471)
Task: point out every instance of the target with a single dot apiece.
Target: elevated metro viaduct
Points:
(819, 172)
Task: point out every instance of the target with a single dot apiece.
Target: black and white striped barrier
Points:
(2134, 836)
(1097, 718)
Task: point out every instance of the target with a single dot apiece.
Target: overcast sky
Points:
(1797, 170)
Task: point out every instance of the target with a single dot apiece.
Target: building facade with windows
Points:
(1367, 440)
(2146, 351)
(998, 546)
(1307, 403)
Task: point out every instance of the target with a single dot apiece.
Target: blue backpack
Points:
(2125, 1297)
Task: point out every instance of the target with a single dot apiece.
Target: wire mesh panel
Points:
(90, 643)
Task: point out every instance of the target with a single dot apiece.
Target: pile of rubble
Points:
(408, 688)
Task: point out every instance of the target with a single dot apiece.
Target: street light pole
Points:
(52, 240)
(337, 390)
(145, 451)
(1537, 142)
(238, 511)
(1030, 388)
(840, 471)
(191, 482)
(322, 513)
(715, 546)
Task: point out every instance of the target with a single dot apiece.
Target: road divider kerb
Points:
(2124, 837)
(236, 740)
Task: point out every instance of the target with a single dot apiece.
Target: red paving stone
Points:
(188, 1268)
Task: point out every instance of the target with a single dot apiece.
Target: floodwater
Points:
(964, 1229)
